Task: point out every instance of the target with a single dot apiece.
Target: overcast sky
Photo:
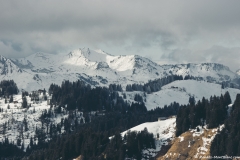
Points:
(163, 30)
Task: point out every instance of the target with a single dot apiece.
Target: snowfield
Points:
(13, 116)
(180, 91)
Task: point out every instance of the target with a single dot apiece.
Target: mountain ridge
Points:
(101, 69)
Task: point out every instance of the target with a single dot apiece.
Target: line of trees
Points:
(212, 112)
(77, 95)
(8, 87)
(153, 85)
(156, 85)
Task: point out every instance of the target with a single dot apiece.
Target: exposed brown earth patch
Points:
(190, 145)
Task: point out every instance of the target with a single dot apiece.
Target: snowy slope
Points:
(165, 129)
(98, 68)
(155, 127)
(13, 116)
(7, 67)
(180, 91)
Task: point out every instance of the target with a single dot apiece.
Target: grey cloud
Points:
(121, 27)
(17, 47)
(216, 54)
(5, 42)
(12, 45)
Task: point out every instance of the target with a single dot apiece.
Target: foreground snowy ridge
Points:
(163, 131)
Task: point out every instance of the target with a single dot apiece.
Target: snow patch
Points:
(163, 131)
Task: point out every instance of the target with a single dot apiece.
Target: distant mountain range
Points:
(98, 68)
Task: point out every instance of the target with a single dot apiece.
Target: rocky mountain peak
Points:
(88, 65)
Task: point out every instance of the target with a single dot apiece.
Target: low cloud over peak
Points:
(192, 31)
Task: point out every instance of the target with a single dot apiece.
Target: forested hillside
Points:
(227, 142)
(77, 111)
(211, 112)
(77, 119)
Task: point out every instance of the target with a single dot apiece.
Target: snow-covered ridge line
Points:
(99, 68)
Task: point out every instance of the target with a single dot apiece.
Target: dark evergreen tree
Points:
(24, 102)
(11, 99)
(222, 86)
(191, 100)
(227, 99)
(9, 87)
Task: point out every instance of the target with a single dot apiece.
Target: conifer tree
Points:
(11, 99)
(24, 102)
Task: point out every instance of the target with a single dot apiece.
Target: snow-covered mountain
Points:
(7, 67)
(208, 71)
(99, 69)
